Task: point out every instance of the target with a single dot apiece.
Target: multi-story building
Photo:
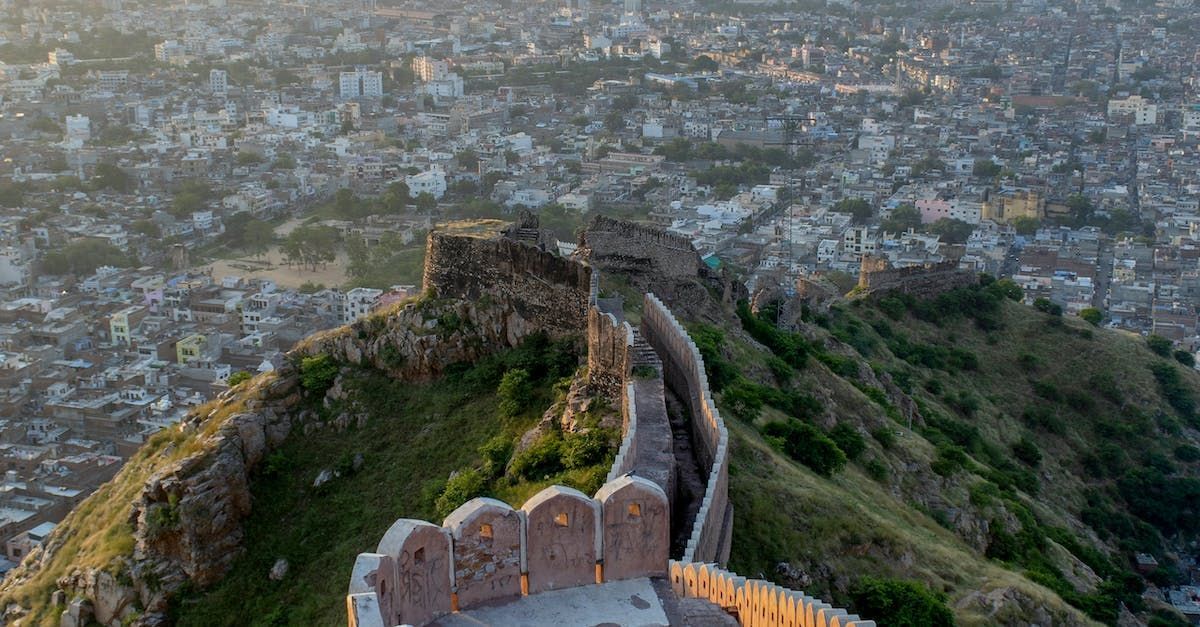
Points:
(361, 83)
(218, 82)
(359, 302)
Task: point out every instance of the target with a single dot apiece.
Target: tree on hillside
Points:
(951, 231)
(426, 203)
(859, 209)
(109, 176)
(704, 63)
(311, 246)
(83, 257)
(903, 218)
(257, 237)
(467, 159)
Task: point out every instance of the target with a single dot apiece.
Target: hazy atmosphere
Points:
(823, 313)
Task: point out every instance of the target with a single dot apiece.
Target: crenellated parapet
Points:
(683, 367)
(757, 602)
(486, 551)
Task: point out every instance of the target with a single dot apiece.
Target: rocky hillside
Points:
(1008, 461)
(1011, 459)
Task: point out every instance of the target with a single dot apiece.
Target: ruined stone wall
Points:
(609, 358)
(755, 601)
(487, 552)
(684, 373)
(627, 247)
(546, 290)
(877, 276)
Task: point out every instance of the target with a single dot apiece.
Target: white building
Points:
(170, 51)
(432, 182)
(14, 266)
(361, 83)
(218, 82)
(1143, 111)
(79, 129)
(359, 302)
(58, 56)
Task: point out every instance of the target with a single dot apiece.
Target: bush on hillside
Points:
(901, 603)
(1185, 358)
(542, 459)
(807, 445)
(1160, 345)
(460, 488)
(848, 439)
(317, 373)
(514, 392)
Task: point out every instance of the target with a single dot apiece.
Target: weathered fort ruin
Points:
(877, 276)
(488, 552)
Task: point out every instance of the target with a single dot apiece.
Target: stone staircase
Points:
(528, 236)
(643, 353)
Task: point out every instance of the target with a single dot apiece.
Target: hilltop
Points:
(1007, 461)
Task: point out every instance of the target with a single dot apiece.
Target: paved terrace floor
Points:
(632, 603)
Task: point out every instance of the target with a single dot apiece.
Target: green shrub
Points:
(950, 459)
(1045, 419)
(460, 488)
(1160, 345)
(542, 459)
(1091, 315)
(580, 450)
(1187, 453)
(496, 452)
(1174, 390)
(317, 373)
(848, 439)
(514, 392)
(743, 400)
(1185, 358)
(1047, 390)
(1027, 452)
(709, 341)
(1045, 306)
(780, 369)
(163, 517)
(901, 603)
(885, 436)
(792, 348)
(239, 377)
(983, 493)
(876, 470)
(807, 445)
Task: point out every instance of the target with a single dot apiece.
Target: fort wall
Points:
(617, 245)
(487, 551)
(757, 602)
(548, 291)
(683, 368)
(877, 276)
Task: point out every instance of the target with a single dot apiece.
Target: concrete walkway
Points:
(632, 603)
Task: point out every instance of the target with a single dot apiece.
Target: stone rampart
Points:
(609, 353)
(757, 602)
(487, 551)
(877, 276)
(626, 458)
(550, 292)
(684, 372)
(621, 246)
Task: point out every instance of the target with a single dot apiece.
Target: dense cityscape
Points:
(191, 188)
